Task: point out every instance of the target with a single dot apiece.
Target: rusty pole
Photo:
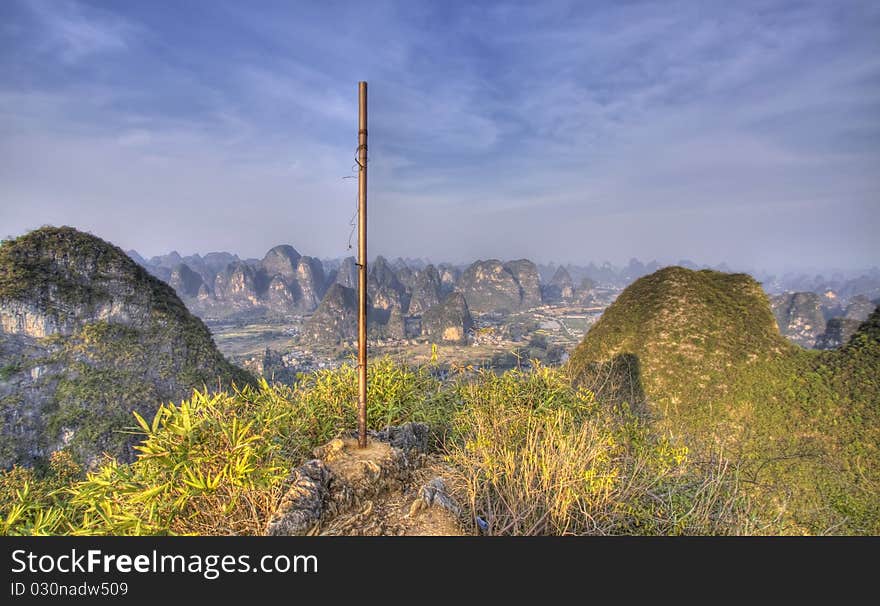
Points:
(362, 264)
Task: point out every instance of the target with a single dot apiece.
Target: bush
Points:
(216, 463)
(531, 455)
(534, 455)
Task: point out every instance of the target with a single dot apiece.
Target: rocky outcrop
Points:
(394, 327)
(405, 275)
(185, 281)
(449, 277)
(837, 333)
(282, 261)
(493, 286)
(526, 275)
(172, 259)
(335, 320)
(560, 288)
(310, 283)
(88, 336)
(343, 477)
(425, 290)
(449, 321)
(279, 296)
(860, 308)
(799, 316)
(347, 275)
(488, 287)
(239, 285)
(383, 288)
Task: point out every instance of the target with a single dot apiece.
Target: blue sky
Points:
(745, 132)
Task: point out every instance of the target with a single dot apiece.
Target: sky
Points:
(739, 132)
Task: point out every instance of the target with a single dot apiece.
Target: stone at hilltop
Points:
(799, 316)
(343, 477)
(526, 274)
(488, 286)
(89, 336)
(425, 291)
(838, 332)
(281, 261)
(449, 321)
(335, 320)
(185, 281)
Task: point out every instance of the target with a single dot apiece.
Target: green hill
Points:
(86, 337)
(701, 353)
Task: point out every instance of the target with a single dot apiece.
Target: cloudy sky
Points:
(731, 131)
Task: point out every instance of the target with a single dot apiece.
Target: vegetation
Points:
(701, 352)
(532, 454)
(50, 262)
(683, 411)
(119, 340)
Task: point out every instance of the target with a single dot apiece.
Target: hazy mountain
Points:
(449, 321)
(800, 316)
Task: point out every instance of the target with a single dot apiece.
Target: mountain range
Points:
(284, 284)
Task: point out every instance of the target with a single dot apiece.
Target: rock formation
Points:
(449, 321)
(185, 281)
(560, 288)
(800, 316)
(335, 320)
(425, 291)
(86, 337)
(493, 286)
(859, 308)
(838, 332)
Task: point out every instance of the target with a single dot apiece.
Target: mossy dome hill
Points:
(86, 337)
(700, 353)
(678, 319)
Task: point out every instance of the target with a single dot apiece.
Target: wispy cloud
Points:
(75, 31)
(559, 129)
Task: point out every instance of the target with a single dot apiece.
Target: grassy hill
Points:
(703, 356)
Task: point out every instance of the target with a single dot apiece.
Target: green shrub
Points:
(534, 455)
(530, 454)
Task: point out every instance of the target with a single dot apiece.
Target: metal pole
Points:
(362, 264)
